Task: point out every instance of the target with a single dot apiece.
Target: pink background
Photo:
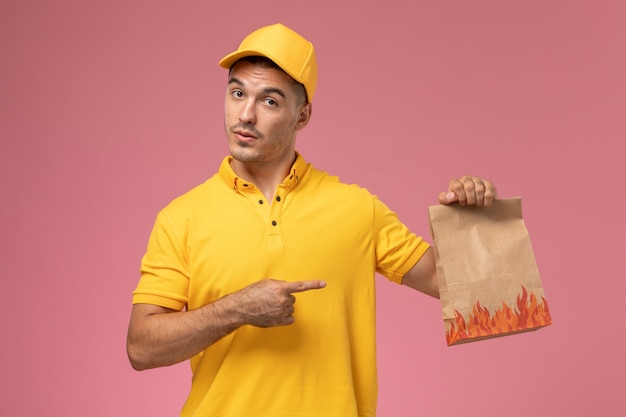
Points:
(108, 110)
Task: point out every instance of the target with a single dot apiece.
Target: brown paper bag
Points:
(488, 279)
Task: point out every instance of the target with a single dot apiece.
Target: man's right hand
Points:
(270, 302)
(158, 336)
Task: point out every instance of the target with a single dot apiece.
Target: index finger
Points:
(300, 286)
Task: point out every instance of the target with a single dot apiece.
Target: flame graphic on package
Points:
(530, 314)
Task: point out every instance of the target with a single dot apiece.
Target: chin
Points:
(242, 154)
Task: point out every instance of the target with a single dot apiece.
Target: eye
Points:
(237, 93)
(270, 102)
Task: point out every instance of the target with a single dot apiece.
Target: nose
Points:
(247, 112)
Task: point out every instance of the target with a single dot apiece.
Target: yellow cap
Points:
(289, 50)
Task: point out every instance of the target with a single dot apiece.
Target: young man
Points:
(227, 261)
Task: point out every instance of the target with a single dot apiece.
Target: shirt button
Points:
(273, 222)
(260, 201)
(277, 198)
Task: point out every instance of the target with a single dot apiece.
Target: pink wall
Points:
(110, 109)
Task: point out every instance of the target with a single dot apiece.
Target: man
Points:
(227, 261)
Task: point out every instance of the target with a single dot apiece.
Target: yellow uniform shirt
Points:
(223, 235)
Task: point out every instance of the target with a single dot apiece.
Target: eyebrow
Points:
(268, 90)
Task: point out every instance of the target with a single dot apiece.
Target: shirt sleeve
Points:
(164, 267)
(397, 248)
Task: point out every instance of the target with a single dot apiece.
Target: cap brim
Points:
(231, 58)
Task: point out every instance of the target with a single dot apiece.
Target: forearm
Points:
(159, 337)
(423, 275)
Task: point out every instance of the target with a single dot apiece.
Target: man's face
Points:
(263, 111)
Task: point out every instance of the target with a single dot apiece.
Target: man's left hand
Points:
(469, 191)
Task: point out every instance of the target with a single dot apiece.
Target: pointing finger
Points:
(301, 286)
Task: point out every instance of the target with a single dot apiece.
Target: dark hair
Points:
(265, 62)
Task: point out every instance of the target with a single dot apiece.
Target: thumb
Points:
(447, 197)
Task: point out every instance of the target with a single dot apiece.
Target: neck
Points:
(266, 176)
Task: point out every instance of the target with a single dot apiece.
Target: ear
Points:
(304, 115)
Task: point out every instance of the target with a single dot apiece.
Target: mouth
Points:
(244, 134)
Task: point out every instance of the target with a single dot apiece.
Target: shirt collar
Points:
(298, 169)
